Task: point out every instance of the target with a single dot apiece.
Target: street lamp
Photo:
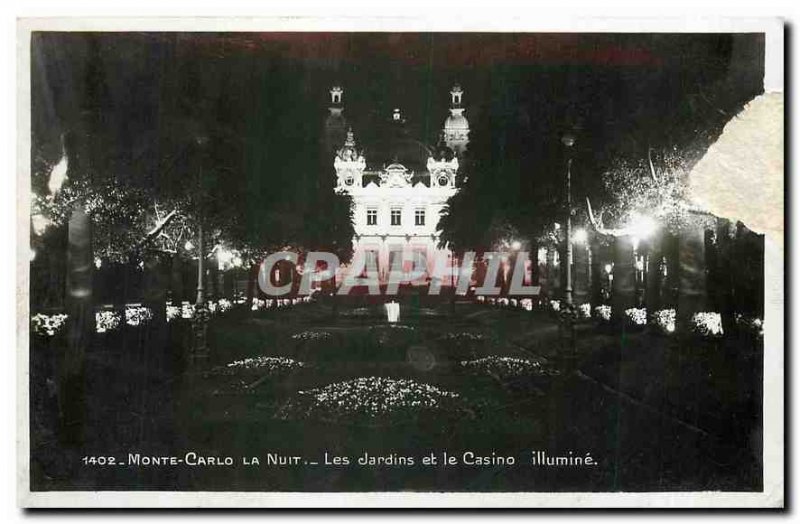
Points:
(568, 140)
(567, 312)
(201, 312)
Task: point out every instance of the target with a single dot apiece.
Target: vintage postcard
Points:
(381, 263)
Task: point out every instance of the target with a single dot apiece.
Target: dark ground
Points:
(657, 413)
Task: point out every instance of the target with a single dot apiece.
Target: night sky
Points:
(132, 104)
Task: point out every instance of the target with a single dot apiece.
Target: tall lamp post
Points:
(201, 313)
(568, 310)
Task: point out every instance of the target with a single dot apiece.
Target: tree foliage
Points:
(621, 116)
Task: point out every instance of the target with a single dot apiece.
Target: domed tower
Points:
(349, 164)
(336, 124)
(456, 127)
(443, 165)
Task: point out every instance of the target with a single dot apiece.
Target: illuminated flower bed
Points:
(268, 365)
(258, 304)
(707, 324)
(463, 336)
(665, 320)
(137, 315)
(636, 316)
(48, 325)
(312, 335)
(187, 310)
(173, 312)
(400, 327)
(504, 367)
(224, 305)
(244, 377)
(585, 310)
(107, 321)
(369, 398)
(603, 313)
(752, 325)
(357, 312)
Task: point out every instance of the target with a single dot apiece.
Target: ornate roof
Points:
(406, 151)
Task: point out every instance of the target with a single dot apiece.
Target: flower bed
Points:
(707, 324)
(357, 312)
(752, 325)
(504, 367)
(137, 315)
(187, 310)
(463, 336)
(312, 335)
(636, 316)
(224, 305)
(369, 398)
(48, 325)
(267, 365)
(664, 319)
(173, 312)
(107, 320)
(258, 304)
(585, 310)
(603, 313)
(464, 345)
(241, 376)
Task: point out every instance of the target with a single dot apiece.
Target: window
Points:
(396, 214)
(420, 260)
(419, 217)
(395, 259)
(370, 259)
(367, 263)
(372, 217)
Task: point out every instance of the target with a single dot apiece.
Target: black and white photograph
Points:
(279, 263)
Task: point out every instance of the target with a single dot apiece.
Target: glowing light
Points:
(98, 262)
(608, 268)
(224, 258)
(580, 236)
(188, 246)
(515, 245)
(58, 175)
(642, 226)
(40, 223)
(541, 255)
(392, 312)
